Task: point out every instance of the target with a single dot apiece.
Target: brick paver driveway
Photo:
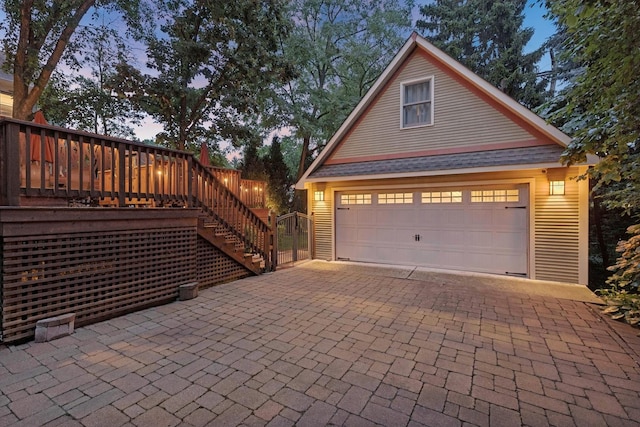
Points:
(326, 343)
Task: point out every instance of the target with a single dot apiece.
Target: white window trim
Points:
(431, 92)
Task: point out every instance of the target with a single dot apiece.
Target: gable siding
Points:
(461, 119)
(556, 223)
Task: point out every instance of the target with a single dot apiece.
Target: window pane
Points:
(495, 196)
(442, 197)
(395, 198)
(417, 114)
(355, 199)
(416, 92)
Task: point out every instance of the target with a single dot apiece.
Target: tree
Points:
(279, 181)
(36, 35)
(488, 38)
(340, 48)
(88, 101)
(212, 65)
(599, 107)
(252, 164)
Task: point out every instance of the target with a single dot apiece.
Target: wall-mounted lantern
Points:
(556, 188)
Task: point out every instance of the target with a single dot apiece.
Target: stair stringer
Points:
(227, 244)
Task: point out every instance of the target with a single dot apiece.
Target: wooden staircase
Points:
(219, 236)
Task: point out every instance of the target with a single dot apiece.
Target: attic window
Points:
(417, 103)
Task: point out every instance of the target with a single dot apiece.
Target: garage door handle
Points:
(343, 209)
(515, 207)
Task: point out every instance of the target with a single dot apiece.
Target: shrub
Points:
(623, 298)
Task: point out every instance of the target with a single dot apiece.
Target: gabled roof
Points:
(318, 171)
(485, 161)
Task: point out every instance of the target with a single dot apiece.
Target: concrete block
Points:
(188, 291)
(55, 327)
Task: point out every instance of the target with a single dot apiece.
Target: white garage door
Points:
(482, 229)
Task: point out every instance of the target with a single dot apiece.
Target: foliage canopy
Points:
(38, 34)
(600, 106)
(211, 64)
(340, 48)
(488, 37)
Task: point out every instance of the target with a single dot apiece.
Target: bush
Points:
(623, 297)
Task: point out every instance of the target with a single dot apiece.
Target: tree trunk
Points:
(299, 198)
(25, 98)
(554, 72)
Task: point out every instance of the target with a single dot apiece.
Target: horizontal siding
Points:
(556, 226)
(461, 119)
(322, 217)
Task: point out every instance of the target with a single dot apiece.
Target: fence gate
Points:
(294, 237)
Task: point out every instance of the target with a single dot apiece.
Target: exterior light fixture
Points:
(318, 196)
(556, 188)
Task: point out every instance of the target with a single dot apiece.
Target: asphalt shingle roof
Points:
(513, 156)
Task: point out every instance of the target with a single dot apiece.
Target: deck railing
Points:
(252, 192)
(57, 165)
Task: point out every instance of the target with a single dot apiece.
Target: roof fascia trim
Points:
(404, 52)
(507, 168)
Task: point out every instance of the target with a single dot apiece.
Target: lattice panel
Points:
(96, 274)
(214, 267)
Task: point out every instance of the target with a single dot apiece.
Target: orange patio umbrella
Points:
(204, 155)
(49, 144)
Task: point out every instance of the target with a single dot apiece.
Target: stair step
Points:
(226, 240)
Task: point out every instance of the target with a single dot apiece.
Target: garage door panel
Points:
(479, 239)
(368, 235)
(509, 241)
(393, 235)
(511, 218)
(453, 216)
(483, 234)
(397, 252)
(347, 234)
(430, 235)
(346, 218)
(388, 215)
(481, 218)
(366, 216)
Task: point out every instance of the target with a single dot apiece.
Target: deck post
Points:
(272, 250)
(121, 175)
(190, 202)
(10, 164)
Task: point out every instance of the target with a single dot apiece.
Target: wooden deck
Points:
(72, 239)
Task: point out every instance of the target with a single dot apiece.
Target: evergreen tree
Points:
(488, 38)
(252, 164)
(279, 182)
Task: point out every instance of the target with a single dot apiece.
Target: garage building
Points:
(437, 168)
